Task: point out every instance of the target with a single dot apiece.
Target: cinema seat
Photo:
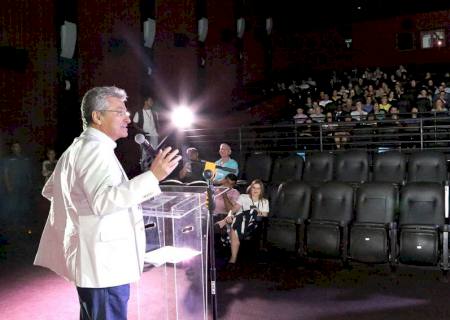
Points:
(427, 166)
(258, 166)
(352, 166)
(318, 168)
(373, 232)
(287, 221)
(423, 235)
(327, 228)
(389, 167)
(287, 168)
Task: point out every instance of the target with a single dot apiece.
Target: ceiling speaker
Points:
(202, 29)
(149, 32)
(240, 27)
(68, 39)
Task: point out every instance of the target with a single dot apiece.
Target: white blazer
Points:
(94, 235)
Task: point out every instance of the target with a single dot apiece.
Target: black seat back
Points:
(376, 203)
(427, 166)
(389, 167)
(258, 166)
(293, 201)
(287, 168)
(422, 203)
(352, 166)
(333, 201)
(318, 167)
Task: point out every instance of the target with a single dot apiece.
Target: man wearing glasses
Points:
(94, 235)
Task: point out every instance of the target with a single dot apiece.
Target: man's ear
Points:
(96, 117)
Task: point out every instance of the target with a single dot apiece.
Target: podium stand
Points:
(174, 285)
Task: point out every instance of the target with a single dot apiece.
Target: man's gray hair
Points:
(95, 99)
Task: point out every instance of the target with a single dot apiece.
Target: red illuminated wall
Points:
(110, 46)
(374, 43)
(110, 51)
(28, 98)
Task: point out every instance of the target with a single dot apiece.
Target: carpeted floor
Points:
(263, 286)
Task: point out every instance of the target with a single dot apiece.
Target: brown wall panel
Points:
(28, 99)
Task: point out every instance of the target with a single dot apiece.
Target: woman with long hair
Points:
(253, 206)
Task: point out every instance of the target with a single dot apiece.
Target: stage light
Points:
(182, 117)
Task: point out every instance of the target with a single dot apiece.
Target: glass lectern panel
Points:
(174, 284)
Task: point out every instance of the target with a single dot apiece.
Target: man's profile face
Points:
(113, 123)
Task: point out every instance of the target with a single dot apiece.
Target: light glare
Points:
(182, 117)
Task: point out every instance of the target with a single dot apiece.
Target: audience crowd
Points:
(337, 103)
(361, 93)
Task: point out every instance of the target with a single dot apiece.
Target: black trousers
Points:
(104, 303)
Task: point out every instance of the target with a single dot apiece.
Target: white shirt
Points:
(246, 202)
(149, 122)
(358, 115)
(94, 235)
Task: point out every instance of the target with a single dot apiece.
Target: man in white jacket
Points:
(94, 235)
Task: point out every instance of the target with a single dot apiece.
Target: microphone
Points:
(148, 153)
(140, 140)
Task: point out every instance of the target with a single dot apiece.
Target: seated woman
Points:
(252, 207)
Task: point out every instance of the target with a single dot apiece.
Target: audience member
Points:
(48, 165)
(439, 107)
(225, 161)
(358, 114)
(193, 169)
(368, 106)
(18, 183)
(384, 104)
(317, 115)
(147, 119)
(300, 117)
(228, 200)
(252, 207)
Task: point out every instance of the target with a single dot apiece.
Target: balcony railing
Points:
(402, 134)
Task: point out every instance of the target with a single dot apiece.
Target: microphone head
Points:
(139, 138)
(208, 174)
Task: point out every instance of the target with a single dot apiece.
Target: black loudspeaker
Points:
(405, 41)
(13, 58)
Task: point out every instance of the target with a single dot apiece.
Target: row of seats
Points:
(373, 224)
(350, 166)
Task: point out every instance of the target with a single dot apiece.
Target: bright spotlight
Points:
(182, 117)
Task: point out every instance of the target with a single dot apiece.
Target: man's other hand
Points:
(164, 163)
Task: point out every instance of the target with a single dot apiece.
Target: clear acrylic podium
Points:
(174, 285)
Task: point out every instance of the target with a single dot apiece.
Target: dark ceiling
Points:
(314, 14)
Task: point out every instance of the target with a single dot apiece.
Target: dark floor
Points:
(263, 286)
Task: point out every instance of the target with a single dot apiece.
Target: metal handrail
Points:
(405, 133)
